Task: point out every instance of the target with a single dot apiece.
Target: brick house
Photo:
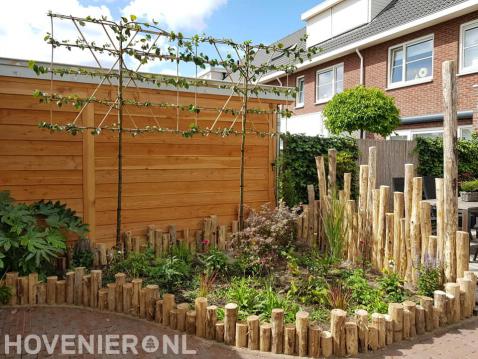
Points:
(395, 45)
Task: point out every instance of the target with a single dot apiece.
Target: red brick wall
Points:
(413, 100)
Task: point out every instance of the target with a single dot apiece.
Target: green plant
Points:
(31, 237)
(214, 260)
(362, 109)
(428, 279)
(335, 228)
(268, 299)
(297, 166)
(391, 285)
(242, 291)
(206, 283)
(82, 254)
(363, 294)
(5, 294)
(470, 186)
(430, 157)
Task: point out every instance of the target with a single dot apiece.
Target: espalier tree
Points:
(129, 39)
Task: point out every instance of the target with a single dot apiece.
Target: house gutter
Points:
(433, 118)
(361, 66)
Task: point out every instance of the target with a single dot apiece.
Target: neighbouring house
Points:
(395, 45)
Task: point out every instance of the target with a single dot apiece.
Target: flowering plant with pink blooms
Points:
(266, 233)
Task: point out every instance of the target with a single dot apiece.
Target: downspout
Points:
(362, 134)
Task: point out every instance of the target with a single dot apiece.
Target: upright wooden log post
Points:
(241, 335)
(103, 299)
(425, 229)
(389, 236)
(289, 339)
(230, 319)
(398, 214)
(351, 338)
(158, 315)
(302, 329)
(381, 231)
(182, 309)
(415, 237)
(127, 297)
(265, 337)
(78, 296)
(326, 344)
(389, 328)
(439, 300)
(372, 178)
(41, 293)
(277, 322)
(85, 290)
(70, 287)
(137, 284)
(95, 285)
(253, 332)
(173, 319)
(347, 185)
(211, 320)
(200, 305)
(420, 319)
(369, 243)
(472, 276)
(450, 167)
(362, 324)
(332, 157)
(61, 292)
(111, 296)
(440, 225)
(151, 296)
(314, 341)
(220, 332)
(191, 322)
(11, 280)
(372, 337)
(168, 304)
(51, 289)
(378, 320)
(408, 196)
(23, 290)
(32, 282)
(462, 253)
(411, 307)
(120, 279)
(466, 287)
(337, 328)
(319, 162)
(454, 290)
(427, 304)
(395, 310)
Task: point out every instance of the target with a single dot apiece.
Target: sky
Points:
(23, 24)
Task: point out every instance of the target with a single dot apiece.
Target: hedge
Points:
(297, 164)
(430, 157)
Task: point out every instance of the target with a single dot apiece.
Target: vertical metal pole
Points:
(120, 140)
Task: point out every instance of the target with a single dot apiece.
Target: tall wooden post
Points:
(89, 188)
(450, 168)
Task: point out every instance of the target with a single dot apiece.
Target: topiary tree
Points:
(362, 109)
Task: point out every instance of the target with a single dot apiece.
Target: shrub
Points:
(33, 236)
(362, 109)
(267, 232)
(428, 279)
(470, 186)
(334, 228)
(430, 157)
(5, 294)
(297, 164)
(214, 260)
(363, 294)
(392, 287)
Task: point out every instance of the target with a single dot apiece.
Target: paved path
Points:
(457, 343)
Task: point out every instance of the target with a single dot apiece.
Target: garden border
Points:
(347, 336)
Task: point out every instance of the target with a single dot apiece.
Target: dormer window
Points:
(411, 63)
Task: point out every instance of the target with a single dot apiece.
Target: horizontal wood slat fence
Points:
(167, 178)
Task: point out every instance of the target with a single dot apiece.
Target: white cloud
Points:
(23, 24)
(175, 14)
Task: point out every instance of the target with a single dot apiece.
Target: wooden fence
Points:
(347, 336)
(391, 158)
(167, 178)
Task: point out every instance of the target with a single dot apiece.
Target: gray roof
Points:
(398, 12)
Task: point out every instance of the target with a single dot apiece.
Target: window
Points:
(411, 62)
(329, 82)
(464, 132)
(299, 100)
(469, 47)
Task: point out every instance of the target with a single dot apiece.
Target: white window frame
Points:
(297, 103)
(410, 132)
(403, 46)
(463, 28)
(334, 82)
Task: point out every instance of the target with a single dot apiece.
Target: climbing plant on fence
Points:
(298, 168)
(430, 157)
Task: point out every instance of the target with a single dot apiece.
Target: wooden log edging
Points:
(347, 336)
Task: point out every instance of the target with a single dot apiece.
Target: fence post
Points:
(89, 190)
